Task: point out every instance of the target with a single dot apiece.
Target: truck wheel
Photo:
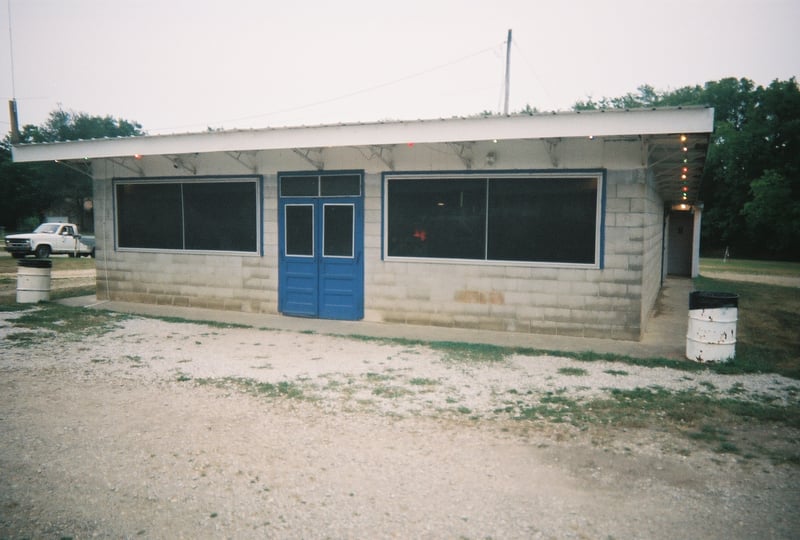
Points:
(42, 252)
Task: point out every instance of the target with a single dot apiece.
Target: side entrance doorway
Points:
(321, 244)
(680, 242)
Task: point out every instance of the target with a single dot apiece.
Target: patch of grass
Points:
(283, 389)
(736, 388)
(715, 436)
(378, 377)
(616, 372)
(578, 372)
(698, 416)
(390, 392)
(552, 407)
(11, 305)
(471, 352)
(27, 339)
(746, 266)
(420, 381)
(69, 322)
(8, 264)
(709, 433)
(212, 324)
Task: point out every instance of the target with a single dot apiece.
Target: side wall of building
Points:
(612, 301)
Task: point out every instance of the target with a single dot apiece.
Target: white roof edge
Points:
(540, 126)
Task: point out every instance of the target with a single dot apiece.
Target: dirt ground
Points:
(154, 430)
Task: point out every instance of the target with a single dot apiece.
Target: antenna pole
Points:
(508, 72)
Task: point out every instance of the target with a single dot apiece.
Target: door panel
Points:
(298, 268)
(340, 268)
(320, 260)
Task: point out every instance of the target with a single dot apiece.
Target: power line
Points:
(529, 64)
(351, 94)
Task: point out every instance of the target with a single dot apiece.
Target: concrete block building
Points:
(560, 223)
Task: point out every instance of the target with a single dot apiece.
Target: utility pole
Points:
(12, 103)
(508, 71)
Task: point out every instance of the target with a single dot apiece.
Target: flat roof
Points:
(602, 123)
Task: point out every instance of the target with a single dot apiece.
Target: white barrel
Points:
(33, 281)
(711, 335)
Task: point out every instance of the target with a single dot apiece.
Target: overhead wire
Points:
(350, 94)
(530, 66)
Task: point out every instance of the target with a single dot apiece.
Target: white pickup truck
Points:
(51, 239)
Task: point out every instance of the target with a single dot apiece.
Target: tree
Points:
(72, 126)
(773, 214)
(751, 180)
(28, 191)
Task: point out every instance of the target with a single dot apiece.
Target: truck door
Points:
(321, 239)
(65, 241)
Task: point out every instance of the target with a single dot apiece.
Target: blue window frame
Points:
(548, 218)
(205, 214)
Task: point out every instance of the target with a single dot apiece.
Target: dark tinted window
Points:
(203, 215)
(341, 185)
(338, 230)
(545, 219)
(149, 216)
(299, 186)
(220, 216)
(514, 218)
(299, 229)
(437, 218)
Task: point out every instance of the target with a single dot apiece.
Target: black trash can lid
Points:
(712, 300)
(35, 263)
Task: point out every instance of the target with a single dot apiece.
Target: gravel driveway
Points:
(177, 430)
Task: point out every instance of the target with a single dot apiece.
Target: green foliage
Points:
(751, 180)
(772, 215)
(30, 191)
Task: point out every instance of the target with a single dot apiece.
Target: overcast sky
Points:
(186, 65)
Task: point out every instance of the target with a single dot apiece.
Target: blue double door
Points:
(321, 244)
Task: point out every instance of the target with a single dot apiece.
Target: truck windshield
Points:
(47, 228)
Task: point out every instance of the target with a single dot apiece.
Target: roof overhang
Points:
(658, 129)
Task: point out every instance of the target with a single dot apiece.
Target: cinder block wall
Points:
(603, 302)
(246, 283)
(609, 302)
(653, 249)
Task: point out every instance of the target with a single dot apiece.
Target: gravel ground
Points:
(152, 431)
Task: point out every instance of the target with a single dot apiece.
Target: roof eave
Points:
(541, 126)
